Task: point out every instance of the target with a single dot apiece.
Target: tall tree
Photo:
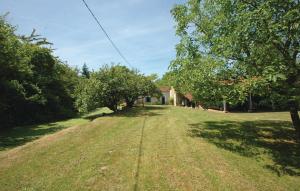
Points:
(85, 71)
(259, 39)
(35, 85)
(110, 86)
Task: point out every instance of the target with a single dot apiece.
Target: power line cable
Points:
(106, 34)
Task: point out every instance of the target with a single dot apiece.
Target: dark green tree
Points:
(85, 71)
(35, 85)
(110, 86)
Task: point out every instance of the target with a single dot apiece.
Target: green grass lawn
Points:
(21, 135)
(159, 148)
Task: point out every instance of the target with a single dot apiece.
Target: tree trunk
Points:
(129, 103)
(224, 106)
(273, 105)
(250, 109)
(295, 116)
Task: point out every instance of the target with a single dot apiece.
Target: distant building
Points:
(169, 97)
(181, 99)
(164, 99)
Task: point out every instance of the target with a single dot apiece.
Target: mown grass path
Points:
(160, 148)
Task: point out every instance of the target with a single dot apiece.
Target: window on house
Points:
(148, 99)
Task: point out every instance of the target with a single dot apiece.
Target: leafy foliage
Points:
(110, 86)
(35, 85)
(166, 80)
(254, 43)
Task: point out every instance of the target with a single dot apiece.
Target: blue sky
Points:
(142, 29)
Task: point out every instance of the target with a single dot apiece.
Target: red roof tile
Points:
(189, 96)
(164, 89)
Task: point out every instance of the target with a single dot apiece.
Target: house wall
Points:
(167, 97)
(154, 100)
(180, 100)
(173, 96)
(176, 97)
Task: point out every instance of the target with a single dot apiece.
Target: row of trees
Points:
(110, 86)
(36, 86)
(233, 50)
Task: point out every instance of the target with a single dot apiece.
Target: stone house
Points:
(169, 97)
(164, 99)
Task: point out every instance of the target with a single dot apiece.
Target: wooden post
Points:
(250, 103)
(224, 106)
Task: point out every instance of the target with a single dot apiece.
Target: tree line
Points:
(110, 86)
(36, 86)
(233, 51)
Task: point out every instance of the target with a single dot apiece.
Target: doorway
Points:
(163, 100)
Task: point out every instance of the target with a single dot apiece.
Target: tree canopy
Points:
(37, 86)
(34, 85)
(111, 85)
(253, 46)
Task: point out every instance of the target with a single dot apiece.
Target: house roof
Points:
(164, 89)
(188, 96)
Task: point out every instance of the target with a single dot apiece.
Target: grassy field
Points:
(21, 135)
(159, 148)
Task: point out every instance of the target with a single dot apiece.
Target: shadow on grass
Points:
(138, 111)
(10, 138)
(255, 139)
(20, 135)
(141, 111)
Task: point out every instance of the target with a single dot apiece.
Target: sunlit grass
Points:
(160, 148)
